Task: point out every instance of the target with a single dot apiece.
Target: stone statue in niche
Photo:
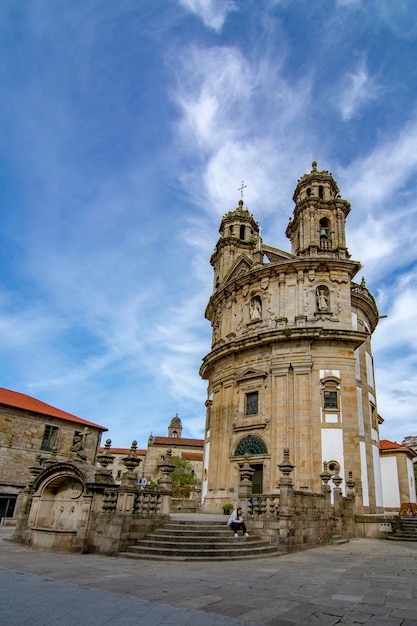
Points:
(322, 297)
(255, 309)
(77, 448)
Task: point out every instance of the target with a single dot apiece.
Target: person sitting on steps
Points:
(236, 522)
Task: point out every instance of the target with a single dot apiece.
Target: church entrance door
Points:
(257, 478)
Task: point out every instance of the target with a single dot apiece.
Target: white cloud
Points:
(212, 13)
(357, 90)
(400, 306)
(395, 353)
(235, 114)
(381, 174)
(382, 227)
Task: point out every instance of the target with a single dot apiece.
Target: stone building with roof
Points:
(397, 473)
(188, 449)
(291, 362)
(33, 433)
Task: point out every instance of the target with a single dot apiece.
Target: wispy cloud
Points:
(384, 214)
(356, 90)
(212, 13)
(220, 93)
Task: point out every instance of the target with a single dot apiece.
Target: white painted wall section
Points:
(391, 488)
(332, 449)
(358, 364)
(377, 473)
(206, 467)
(364, 474)
(361, 425)
(369, 370)
(411, 481)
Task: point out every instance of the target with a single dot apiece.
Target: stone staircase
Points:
(407, 530)
(199, 541)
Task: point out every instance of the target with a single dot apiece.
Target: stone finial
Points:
(132, 460)
(166, 466)
(337, 480)
(350, 484)
(314, 166)
(105, 458)
(363, 282)
(286, 467)
(325, 475)
(245, 470)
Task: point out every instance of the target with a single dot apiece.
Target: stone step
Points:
(407, 530)
(198, 554)
(192, 534)
(400, 537)
(199, 541)
(203, 544)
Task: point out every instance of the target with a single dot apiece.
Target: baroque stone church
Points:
(291, 361)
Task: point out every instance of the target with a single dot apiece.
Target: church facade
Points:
(291, 362)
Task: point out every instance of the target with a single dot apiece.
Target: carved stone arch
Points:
(60, 503)
(60, 469)
(252, 444)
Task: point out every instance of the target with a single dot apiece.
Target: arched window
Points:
(251, 444)
(331, 390)
(242, 232)
(321, 191)
(324, 228)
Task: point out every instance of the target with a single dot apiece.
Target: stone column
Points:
(245, 484)
(325, 478)
(165, 482)
(286, 500)
(127, 491)
(337, 502)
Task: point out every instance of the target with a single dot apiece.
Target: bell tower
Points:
(317, 228)
(175, 427)
(239, 242)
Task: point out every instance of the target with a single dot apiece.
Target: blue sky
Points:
(126, 129)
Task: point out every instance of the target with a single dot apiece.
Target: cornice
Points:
(351, 338)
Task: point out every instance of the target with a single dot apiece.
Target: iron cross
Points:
(241, 188)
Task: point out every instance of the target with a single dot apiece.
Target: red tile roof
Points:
(21, 401)
(178, 441)
(192, 456)
(385, 444)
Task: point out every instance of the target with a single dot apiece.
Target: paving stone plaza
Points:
(361, 582)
